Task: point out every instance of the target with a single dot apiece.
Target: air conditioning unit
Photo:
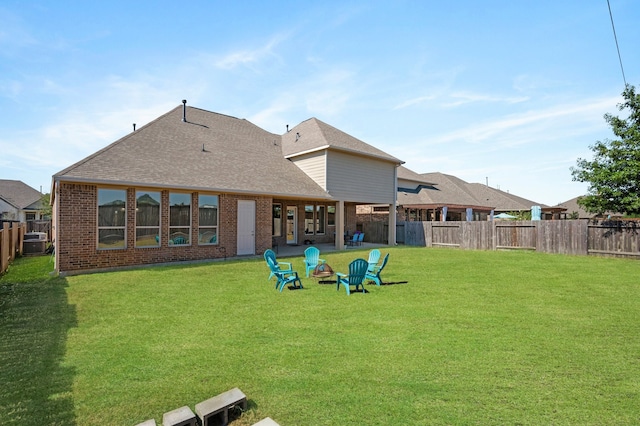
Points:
(34, 243)
(40, 236)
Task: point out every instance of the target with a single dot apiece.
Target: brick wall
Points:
(77, 231)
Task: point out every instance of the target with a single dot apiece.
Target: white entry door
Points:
(292, 225)
(246, 227)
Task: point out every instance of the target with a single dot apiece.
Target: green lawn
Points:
(473, 338)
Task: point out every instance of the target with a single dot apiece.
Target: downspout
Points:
(340, 225)
(393, 210)
(54, 223)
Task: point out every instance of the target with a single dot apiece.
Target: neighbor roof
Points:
(503, 201)
(409, 175)
(572, 206)
(19, 194)
(450, 191)
(209, 151)
(453, 191)
(314, 135)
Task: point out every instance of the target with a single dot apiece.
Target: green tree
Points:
(46, 206)
(614, 173)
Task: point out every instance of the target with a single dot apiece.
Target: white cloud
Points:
(551, 122)
(414, 101)
(463, 98)
(251, 57)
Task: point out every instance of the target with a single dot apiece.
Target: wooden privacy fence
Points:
(11, 239)
(576, 237)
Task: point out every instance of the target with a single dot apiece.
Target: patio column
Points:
(392, 225)
(340, 225)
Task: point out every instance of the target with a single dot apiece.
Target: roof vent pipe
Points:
(184, 110)
(287, 128)
(134, 127)
(297, 136)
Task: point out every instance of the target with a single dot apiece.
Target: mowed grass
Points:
(473, 338)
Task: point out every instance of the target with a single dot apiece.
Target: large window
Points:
(315, 219)
(331, 215)
(147, 219)
(320, 219)
(179, 219)
(208, 219)
(276, 223)
(112, 218)
(308, 220)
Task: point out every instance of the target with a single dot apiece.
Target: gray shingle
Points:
(313, 134)
(208, 152)
(19, 194)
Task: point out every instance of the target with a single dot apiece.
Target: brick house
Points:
(194, 185)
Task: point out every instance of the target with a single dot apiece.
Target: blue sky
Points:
(505, 92)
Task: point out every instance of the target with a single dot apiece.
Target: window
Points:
(315, 219)
(208, 219)
(112, 209)
(331, 215)
(147, 219)
(308, 220)
(276, 223)
(320, 219)
(179, 219)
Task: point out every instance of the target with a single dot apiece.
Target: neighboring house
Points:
(19, 201)
(439, 197)
(572, 210)
(195, 185)
(450, 198)
(505, 202)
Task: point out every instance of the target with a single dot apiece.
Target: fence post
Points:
(13, 240)
(21, 232)
(4, 247)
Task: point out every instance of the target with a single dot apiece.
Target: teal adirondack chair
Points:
(312, 259)
(374, 274)
(179, 240)
(360, 238)
(374, 257)
(354, 240)
(357, 272)
(284, 278)
(284, 267)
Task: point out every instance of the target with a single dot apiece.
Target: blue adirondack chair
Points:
(360, 238)
(312, 259)
(354, 240)
(284, 278)
(357, 272)
(374, 274)
(374, 257)
(284, 267)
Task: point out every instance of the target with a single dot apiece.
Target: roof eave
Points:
(191, 188)
(347, 150)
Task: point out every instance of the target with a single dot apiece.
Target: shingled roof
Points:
(453, 191)
(314, 135)
(409, 175)
(503, 201)
(449, 191)
(209, 151)
(20, 195)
